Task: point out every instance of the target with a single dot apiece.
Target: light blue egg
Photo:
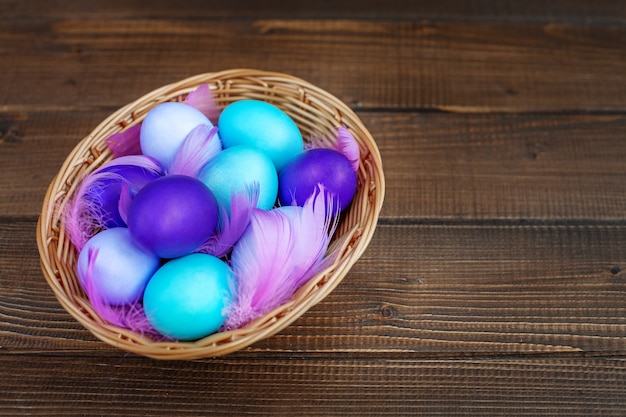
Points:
(263, 126)
(237, 169)
(121, 268)
(165, 127)
(187, 298)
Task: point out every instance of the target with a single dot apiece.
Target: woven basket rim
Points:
(307, 104)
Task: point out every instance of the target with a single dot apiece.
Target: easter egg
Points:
(261, 125)
(237, 169)
(105, 193)
(173, 216)
(187, 298)
(165, 128)
(121, 268)
(299, 179)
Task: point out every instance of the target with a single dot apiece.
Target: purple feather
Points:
(125, 142)
(280, 250)
(202, 99)
(199, 147)
(86, 213)
(232, 225)
(130, 316)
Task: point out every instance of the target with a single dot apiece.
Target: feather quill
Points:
(130, 316)
(232, 225)
(199, 147)
(202, 99)
(280, 250)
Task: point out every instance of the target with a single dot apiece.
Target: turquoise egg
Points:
(237, 169)
(261, 125)
(187, 298)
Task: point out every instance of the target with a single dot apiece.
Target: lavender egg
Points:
(121, 269)
(299, 179)
(105, 193)
(173, 216)
(165, 128)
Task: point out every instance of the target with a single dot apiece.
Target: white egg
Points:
(165, 128)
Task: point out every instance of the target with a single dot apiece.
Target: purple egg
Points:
(105, 193)
(173, 216)
(299, 179)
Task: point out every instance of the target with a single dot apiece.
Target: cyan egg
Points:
(237, 169)
(121, 268)
(188, 297)
(261, 125)
(165, 128)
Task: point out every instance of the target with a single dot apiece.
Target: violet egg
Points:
(173, 216)
(188, 297)
(119, 268)
(165, 128)
(299, 179)
(263, 126)
(105, 193)
(237, 169)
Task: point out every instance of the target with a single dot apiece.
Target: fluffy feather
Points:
(202, 99)
(125, 142)
(131, 316)
(199, 147)
(83, 216)
(232, 225)
(279, 251)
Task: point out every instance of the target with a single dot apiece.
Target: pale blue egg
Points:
(121, 269)
(165, 127)
(263, 126)
(238, 169)
(188, 297)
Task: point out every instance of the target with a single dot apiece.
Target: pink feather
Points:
(131, 316)
(125, 142)
(126, 199)
(232, 225)
(348, 146)
(199, 147)
(279, 251)
(202, 99)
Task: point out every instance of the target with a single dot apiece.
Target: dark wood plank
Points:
(418, 290)
(437, 166)
(129, 386)
(501, 10)
(438, 65)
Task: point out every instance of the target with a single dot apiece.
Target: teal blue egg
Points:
(238, 169)
(261, 125)
(188, 297)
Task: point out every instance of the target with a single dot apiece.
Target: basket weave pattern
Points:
(317, 114)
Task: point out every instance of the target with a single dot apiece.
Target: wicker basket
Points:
(315, 111)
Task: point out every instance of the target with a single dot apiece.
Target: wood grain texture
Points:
(434, 65)
(66, 385)
(495, 284)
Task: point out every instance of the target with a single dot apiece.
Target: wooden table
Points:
(496, 281)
